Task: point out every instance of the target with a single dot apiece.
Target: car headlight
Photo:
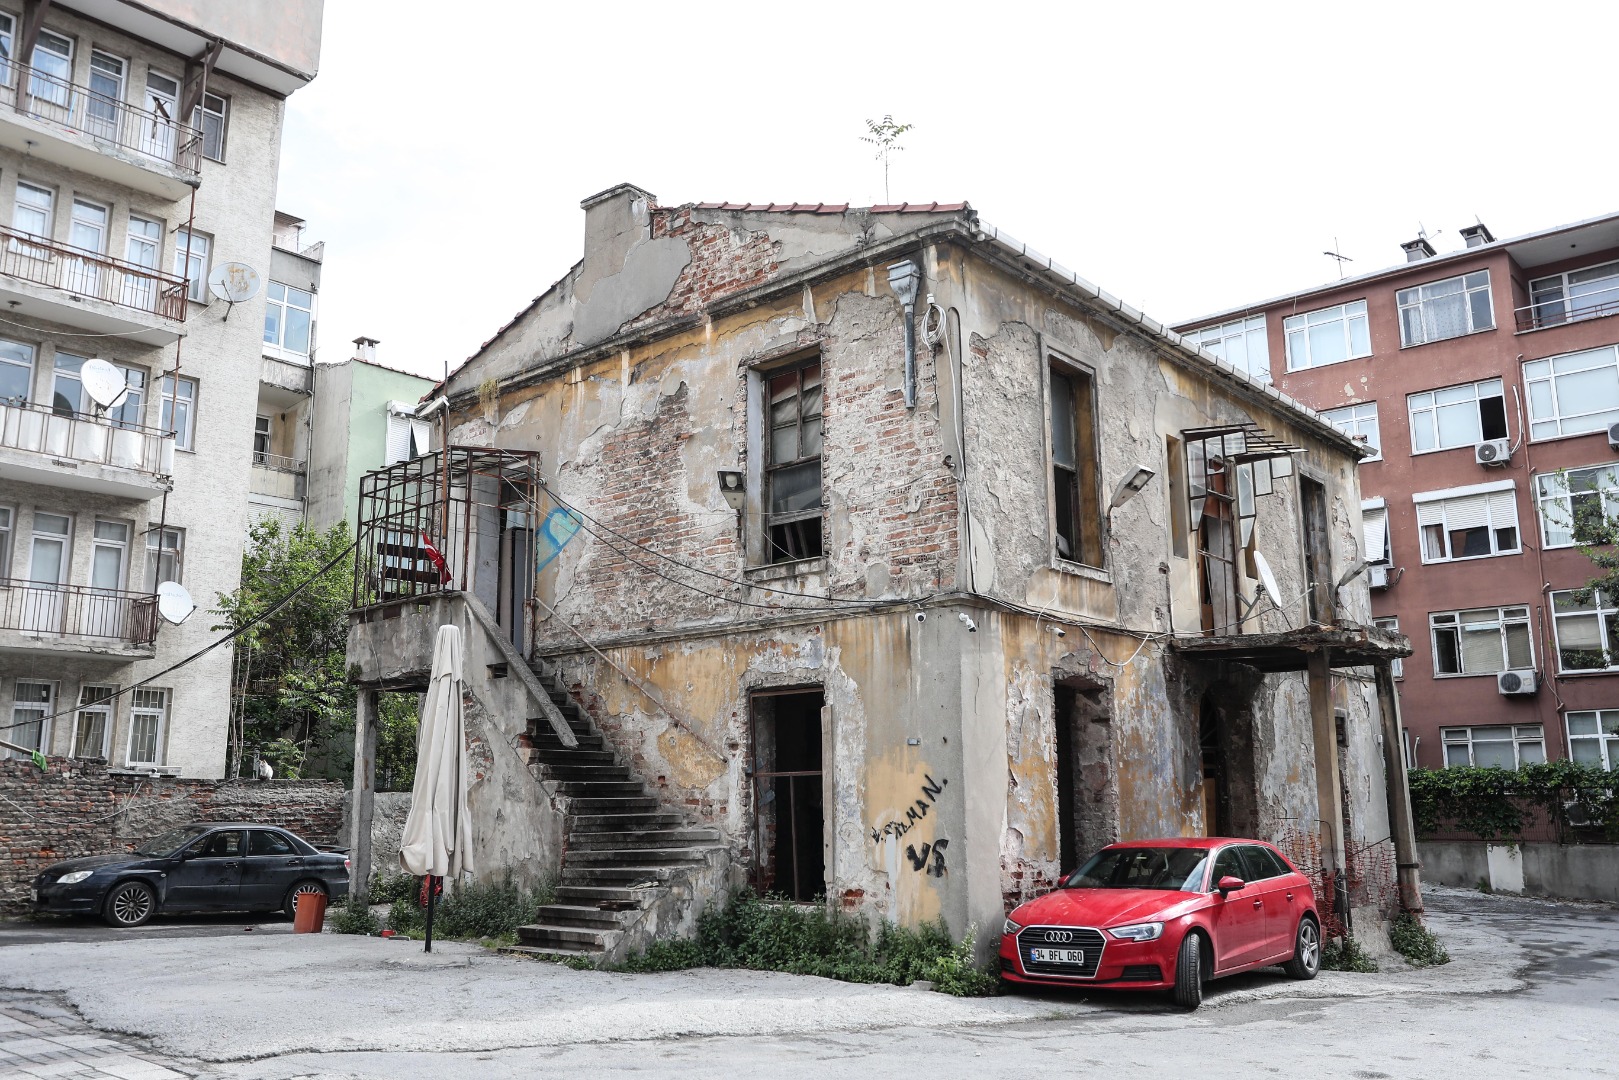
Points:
(1010, 927)
(74, 878)
(1143, 931)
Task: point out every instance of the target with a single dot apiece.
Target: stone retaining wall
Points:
(78, 808)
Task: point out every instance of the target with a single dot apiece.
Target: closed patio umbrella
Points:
(437, 840)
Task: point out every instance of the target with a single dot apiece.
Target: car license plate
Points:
(1057, 956)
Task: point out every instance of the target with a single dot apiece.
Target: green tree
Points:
(291, 699)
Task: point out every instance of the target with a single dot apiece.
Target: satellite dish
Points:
(103, 382)
(234, 282)
(1267, 580)
(174, 603)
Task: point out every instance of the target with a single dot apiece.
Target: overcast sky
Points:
(1185, 157)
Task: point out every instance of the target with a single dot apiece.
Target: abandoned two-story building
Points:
(866, 554)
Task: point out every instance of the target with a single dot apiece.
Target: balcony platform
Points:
(1347, 645)
(89, 291)
(76, 453)
(76, 622)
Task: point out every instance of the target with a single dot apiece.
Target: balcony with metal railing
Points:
(79, 452)
(45, 618)
(88, 290)
(46, 116)
(277, 477)
(1572, 304)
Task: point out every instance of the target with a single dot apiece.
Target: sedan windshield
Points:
(171, 841)
(1174, 869)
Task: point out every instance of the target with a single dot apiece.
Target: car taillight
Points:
(346, 865)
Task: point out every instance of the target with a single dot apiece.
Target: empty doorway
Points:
(1216, 772)
(790, 824)
(1087, 790)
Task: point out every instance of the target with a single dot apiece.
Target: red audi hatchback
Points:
(1167, 915)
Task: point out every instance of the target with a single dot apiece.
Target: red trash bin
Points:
(309, 913)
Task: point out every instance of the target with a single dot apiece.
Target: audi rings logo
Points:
(1059, 935)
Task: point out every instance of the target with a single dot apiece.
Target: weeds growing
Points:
(1345, 954)
(482, 910)
(1416, 942)
(354, 918)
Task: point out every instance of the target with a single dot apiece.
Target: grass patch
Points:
(1416, 942)
(480, 911)
(1345, 954)
(756, 933)
(354, 918)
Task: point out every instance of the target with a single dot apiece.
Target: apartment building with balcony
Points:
(1484, 383)
(283, 425)
(139, 149)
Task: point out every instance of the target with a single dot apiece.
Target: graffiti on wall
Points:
(930, 857)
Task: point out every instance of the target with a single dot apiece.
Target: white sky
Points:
(1185, 157)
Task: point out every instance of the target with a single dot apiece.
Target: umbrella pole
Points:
(432, 901)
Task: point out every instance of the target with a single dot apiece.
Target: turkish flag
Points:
(436, 557)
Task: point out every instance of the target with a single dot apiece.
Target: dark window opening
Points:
(1492, 417)
(1216, 782)
(789, 837)
(1087, 790)
(1075, 503)
(793, 462)
(1317, 550)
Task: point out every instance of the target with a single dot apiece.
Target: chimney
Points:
(1418, 249)
(365, 348)
(1478, 235)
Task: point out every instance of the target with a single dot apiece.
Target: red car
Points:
(1167, 915)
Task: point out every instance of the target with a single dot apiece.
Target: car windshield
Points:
(1175, 869)
(171, 841)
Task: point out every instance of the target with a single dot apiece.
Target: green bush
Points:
(354, 918)
(1416, 942)
(1491, 802)
(386, 888)
(471, 912)
(1345, 954)
(767, 935)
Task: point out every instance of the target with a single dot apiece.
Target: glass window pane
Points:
(795, 488)
(784, 444)
(1518, 653)
(1585, 751)
(1360, 338)
(1458, 424)
(1327, 345)
(1456, 755)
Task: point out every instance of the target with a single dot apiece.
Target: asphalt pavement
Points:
(1532, 991)
(62, 929)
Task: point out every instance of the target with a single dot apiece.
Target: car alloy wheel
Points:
(1306, 951)
(303, 888)
(131, 904)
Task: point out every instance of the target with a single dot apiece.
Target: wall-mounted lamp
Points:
(736, 495)
(905, 278)
(1130, 485)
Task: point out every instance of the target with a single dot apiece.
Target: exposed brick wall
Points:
(724, 260)
(77, 808)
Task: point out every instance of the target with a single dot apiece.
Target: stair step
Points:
(674, 836)
(636, 856)
(562, 755)
(553, 955)
(579, 915)
(603, 772)
(587, 805)
(563, 937)
(622, 876)
(594, 821)
(543, 738)
(590, 895)
(603, 789)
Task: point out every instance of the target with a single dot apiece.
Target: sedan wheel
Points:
(303, 888)
(130, 903)
(1306, 951)
(1189, 973)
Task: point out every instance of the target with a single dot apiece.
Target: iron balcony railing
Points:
(85, 439)
(1568, 307)
(44, 608)
(276, 476)
(87, 273)
(145, 131)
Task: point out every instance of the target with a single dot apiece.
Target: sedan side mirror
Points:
(1229, 884)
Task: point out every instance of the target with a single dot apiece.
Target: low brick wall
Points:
(78, 808)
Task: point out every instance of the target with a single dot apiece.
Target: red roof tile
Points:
(835, 208)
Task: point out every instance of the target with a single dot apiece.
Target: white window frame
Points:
(195, 268)
(185, 434)
(8, 533)
(141, 706)
(206, 108)
(45, 709)
(1605, 735)
(8, 358)
(1296, 334)
(1374, 521)
(1568, 307)
(49, 210)
(1246, 336)
(171, 546)
(1604, 609)
(1506, 616)
(1547, 419)
(1422, 408)
(407, 436)
(1555, 494)
(102, 707)
(282, 305)
(1391, 623)
(1417, 298)
(1496, 504)
(1520, 735)
(1359, 422)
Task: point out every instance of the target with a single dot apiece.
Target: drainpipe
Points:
(904, 278)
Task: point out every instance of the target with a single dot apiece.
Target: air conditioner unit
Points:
(1377, 576)
(1512, 683)
(1578, 813)
(1613, 436)
(1493, 452)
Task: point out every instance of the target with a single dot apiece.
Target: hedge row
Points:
(1496, 804)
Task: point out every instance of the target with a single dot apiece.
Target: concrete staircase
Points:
(624, 856)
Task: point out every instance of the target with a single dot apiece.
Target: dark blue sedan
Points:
(216, 866)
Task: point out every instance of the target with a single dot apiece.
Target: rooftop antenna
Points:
(233, 282)
(1336, 254)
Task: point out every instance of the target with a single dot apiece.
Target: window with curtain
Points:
(1445, 309)
(1468, 526)
(1500, 746)
(1578, 294)
(1587, 630)
(93, 721)
(1481, 641)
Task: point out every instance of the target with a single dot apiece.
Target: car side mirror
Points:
(1229, 884)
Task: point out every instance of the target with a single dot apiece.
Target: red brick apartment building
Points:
(1485, 383)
